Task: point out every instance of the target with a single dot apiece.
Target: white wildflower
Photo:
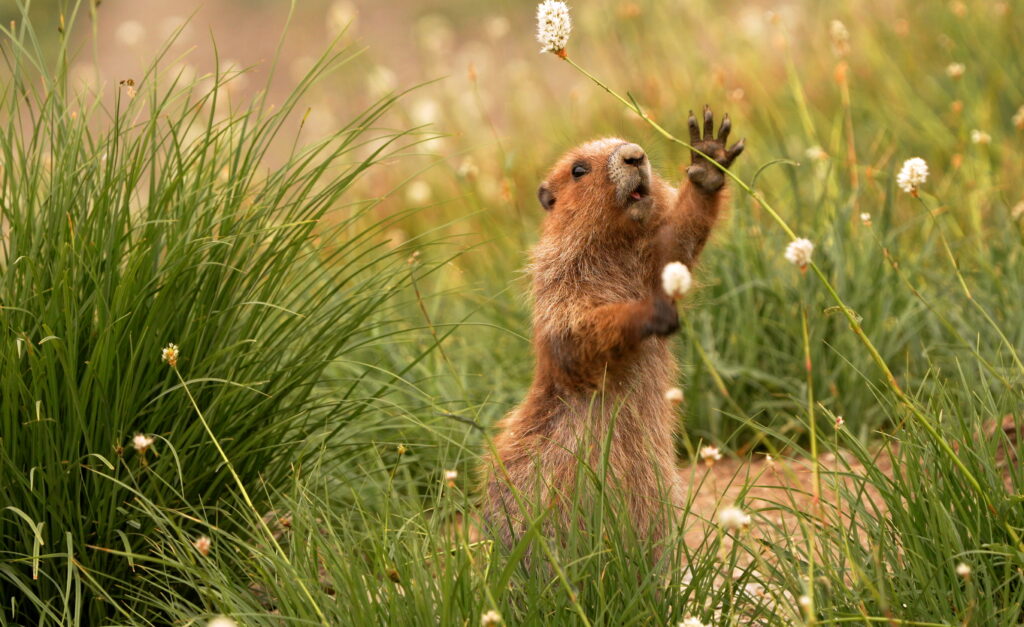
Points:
(468, 169)
(733, 518)
(130, 33)
(955, 70)
(840, 421)
(676, 280)
(553, 26)
(418, 193)
(798, 252)
(710, 454)
(202, 545)
(690, 621)
(963, 570)
(141, 442)
(805, 602)
(865, 218)
(169, 355)
(490, 618)
(497, 27)
(341, 15)
(450, 476)
(912, 175)
(980, 137)
(1018, 119)
(816, 153)
(221, 621)
(674, 396)
(840, 38)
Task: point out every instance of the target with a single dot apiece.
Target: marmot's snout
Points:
(630, 172)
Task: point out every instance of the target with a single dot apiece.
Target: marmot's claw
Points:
(735, 151)
(664, 318)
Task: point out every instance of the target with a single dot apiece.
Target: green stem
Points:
(245, 495)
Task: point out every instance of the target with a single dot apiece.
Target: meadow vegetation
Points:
(351, 314)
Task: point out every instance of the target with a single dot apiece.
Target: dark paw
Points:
(664, 318)
(702, 172)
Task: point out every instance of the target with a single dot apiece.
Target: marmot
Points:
(601, 322)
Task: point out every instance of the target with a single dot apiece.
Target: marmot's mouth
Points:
(639, 192)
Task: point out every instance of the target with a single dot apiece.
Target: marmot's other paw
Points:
(703, 174)
(664, 318)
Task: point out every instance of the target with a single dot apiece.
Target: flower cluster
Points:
(955, 70)
(840, 38)
(490, 618)
(912, 175)
(733, 518)
(980, 137)
(170, 355)
(141, 443)
(676, 280)
(202, 545)
(710, 454)
(553, 26)
(674, 396)
(799, 251)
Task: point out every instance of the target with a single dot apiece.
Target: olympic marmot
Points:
(601, 322)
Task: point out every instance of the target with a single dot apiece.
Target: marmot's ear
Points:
(547, 199)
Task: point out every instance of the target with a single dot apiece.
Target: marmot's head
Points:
(603, 181)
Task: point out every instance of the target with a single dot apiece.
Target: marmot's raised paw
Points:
(664, 318)
(703, 174)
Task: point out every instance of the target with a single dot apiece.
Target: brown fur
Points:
(600, 332)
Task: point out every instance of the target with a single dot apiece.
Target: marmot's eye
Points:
(579, 169)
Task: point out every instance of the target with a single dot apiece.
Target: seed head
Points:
(865, 218)
(553, 26)
(710, 455)
(980, 137)
(840, 38)
(141, 443)
(402, 449)
(798, 252)
(450, 476)
(1018, 119)
(202, 544)
(170, 355)
(816, 153)
(733, 518)
(490, 618)
(676, 280)
(963, 570)
(955, 70)
(674, 396)
(912, 175)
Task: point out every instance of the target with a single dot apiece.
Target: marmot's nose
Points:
(631, 154)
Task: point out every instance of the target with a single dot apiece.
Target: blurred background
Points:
(841, 92)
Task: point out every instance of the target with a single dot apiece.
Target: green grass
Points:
(313, 347)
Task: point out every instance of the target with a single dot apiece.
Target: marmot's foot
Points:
(664, 318)
(703, 174)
